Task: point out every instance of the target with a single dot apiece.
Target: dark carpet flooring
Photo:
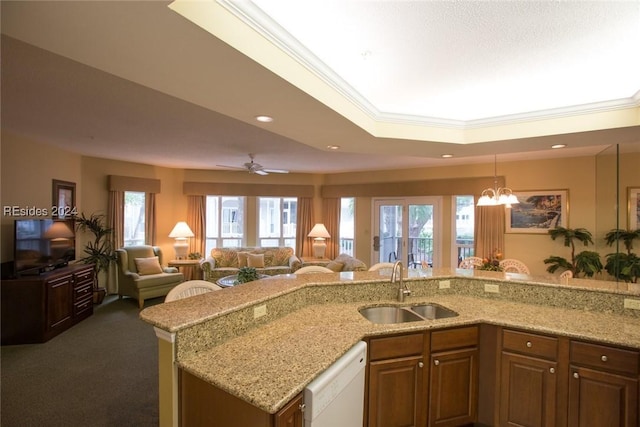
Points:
(101, 372)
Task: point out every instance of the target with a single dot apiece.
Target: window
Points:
(347, 224)
(464, 227)
(224, 222)
(134, 216)
(277, 221)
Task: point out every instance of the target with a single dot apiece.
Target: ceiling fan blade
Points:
(232, 167)
(276, 170)
(260, 172)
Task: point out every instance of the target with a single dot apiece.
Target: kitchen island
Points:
(312, 320)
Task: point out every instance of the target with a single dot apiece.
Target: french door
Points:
(407, 229)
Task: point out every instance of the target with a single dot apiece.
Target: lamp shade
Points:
(319, 231)
(58, 230)
(181, 231)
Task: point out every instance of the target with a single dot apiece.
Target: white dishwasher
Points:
(336, 397)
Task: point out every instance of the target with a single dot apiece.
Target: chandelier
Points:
(497, 195)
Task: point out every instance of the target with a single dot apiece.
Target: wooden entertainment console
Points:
(37, 308)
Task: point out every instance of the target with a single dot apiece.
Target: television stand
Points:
(37, 308)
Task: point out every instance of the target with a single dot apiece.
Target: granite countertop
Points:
(313, 320)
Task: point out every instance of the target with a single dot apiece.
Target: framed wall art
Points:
(63, 199)
(633, 207)
(538, 211)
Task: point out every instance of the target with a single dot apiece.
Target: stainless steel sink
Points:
(402, 314)
(389, 314)
(433, 311)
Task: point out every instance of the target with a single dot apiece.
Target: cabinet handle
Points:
(552, 370)
(436, 362)
(420, 365)
(302, 407)
(529, 345)
(576, 375)
(604, 358)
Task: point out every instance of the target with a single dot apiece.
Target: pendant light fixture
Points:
(497, 195)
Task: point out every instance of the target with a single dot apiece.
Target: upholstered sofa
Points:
(344, 262)
(266, 260)
(141, 274)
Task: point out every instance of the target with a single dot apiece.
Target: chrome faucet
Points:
(403, 291)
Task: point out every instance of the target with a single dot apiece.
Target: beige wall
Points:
(28, 168)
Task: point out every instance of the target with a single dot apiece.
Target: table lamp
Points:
(319, 233)
(181, 232)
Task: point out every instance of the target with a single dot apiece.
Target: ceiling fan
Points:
(256, 168)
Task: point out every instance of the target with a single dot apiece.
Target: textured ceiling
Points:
(136, 81)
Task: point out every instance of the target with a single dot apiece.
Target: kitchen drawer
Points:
(530, 344)
(449, 339)
(83, 305)
(82, 291)
(605, 357)
(396, 346)
(84, 277)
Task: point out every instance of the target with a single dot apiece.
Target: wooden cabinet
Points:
(453, 377)
(37, 308)
(396, 381)
(292, 414)
(204, 405)
(403, 390)
(603, 386)
(529, 379)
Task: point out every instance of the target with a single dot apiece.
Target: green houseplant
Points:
(586, 262)
(98, 251)
(621, 265)
(247, 274)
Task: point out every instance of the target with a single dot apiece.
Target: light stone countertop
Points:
(313, 320)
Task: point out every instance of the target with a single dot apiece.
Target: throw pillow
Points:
(242, 259)
(335, 266)
(146, 266)
(255, 260)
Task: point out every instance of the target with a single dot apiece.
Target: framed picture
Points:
(63, 199)
(633, 200)
(538, 211)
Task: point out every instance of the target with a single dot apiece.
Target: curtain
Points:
(150, 219)
(115, 221)
(196, 218)
(489, 230)
(304, 223)
(331, 218)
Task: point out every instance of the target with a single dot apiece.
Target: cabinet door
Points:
(291, 414)
(598, 398)
(59, 302)
(528, 391)
(453, 387)
(396, 390)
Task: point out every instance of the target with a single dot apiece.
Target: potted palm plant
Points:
(98, 251)
(621, 265)
(586, 262)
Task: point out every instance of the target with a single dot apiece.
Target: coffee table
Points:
(228, 281)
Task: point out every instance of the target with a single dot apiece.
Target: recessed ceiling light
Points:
(264, 119)
(333, 147)
(447, 156)
(558, 145)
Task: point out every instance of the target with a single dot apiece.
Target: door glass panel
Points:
(407, 231)
(390, 232)
(420, 241)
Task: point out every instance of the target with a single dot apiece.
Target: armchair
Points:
(141, 275)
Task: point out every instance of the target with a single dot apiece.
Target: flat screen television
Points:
(43, 244)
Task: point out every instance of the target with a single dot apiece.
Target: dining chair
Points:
(511, 265)
(470, 262)
(190, 288)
